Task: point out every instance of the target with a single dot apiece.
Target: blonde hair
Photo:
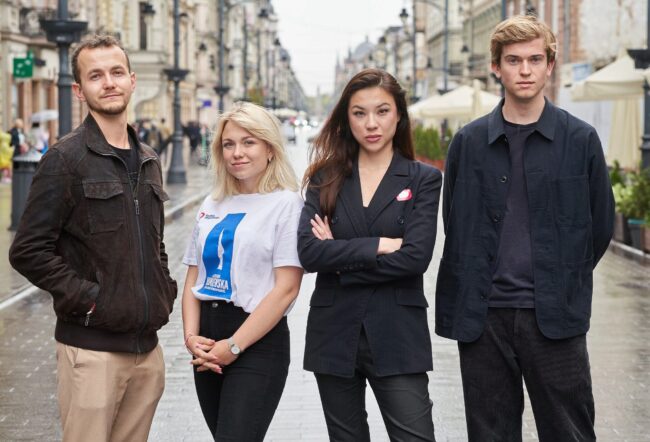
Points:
(521, 28)
(263, 125)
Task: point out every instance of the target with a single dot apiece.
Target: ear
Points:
(132, 75)
(549, 68)
(76, 89)
(496, 69)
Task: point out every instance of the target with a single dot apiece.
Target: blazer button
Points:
(504, 179)
(483, 297)
(496, 218)
(335, 219)
(400, 220)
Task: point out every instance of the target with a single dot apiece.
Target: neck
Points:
(375, 160)
(523, 112)
(114, 128)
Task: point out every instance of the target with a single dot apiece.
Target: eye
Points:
(118, 73)
(536, 60)
(512, 61)
(227, 145)
(249, 142)
(94, 76)
(384, 111)
(358, 114)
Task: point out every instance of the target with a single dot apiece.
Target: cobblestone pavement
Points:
(618, 344)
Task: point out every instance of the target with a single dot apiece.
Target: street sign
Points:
(23, 67)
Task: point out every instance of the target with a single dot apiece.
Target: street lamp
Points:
(64, 32)
(277, 45)
(221, 88)
(642, 61)
(176, 173)
(445, 54)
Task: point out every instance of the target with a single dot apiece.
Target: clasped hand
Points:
(210, 354)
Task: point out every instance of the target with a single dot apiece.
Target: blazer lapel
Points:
(396, 179)
(352, 202)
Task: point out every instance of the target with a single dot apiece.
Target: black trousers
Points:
(403, 401)
(239, 404)
(556, 373)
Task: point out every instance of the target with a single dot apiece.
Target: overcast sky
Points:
(315, 32)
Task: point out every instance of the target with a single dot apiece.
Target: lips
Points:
(373, 138)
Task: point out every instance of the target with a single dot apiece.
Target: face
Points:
(524, 69)
(246, 157)
(373, 118)
(105, 84)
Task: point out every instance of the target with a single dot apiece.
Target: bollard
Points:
(24, 168)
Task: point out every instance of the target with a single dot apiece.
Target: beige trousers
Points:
(108, 397)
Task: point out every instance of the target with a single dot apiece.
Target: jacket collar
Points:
(397, 178)
(96, 141)
(545, 125)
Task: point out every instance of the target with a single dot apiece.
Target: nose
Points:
(371, 122)
(238, 152)
(525, 68)
(108, 81)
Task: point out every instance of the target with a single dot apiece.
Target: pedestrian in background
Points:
(528, 213)
(38, 137)
(18, 138)
(243, 276)
(368, 229)
(92, 236)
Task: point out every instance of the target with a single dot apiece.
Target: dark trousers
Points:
(239, 404)
(556, 373)
(403, 400)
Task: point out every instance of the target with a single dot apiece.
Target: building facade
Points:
(234, 57)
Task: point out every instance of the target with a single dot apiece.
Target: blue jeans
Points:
(239, 404)
(556, 373)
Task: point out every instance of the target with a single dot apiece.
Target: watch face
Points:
(234, 349)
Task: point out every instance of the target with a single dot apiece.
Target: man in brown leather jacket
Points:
(92, 236)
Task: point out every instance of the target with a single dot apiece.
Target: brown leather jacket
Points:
(96, 245)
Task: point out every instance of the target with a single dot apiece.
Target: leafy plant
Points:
(633, 196)
(428, 144)
(616, 174)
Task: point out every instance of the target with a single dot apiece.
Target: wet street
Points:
(618, 343)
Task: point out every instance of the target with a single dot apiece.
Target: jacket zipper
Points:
(136, 204)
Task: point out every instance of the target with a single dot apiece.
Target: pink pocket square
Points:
(405, 195)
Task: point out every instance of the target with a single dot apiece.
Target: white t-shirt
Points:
(237, 242)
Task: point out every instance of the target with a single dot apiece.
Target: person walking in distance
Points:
(528, 213)
(92, 236)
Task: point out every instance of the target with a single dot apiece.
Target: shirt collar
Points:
(545, 125)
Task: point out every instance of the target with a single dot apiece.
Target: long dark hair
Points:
(334, 150)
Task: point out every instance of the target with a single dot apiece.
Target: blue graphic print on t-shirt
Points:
(217, 257)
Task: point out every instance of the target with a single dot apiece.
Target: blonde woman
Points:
(243, 276)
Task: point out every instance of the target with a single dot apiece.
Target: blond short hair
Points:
(263, 125)
(518, 29)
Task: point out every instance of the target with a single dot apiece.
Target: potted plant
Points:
(428, 147)
(634, 204)
(617, 179)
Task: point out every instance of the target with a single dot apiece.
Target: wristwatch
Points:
(234, 348)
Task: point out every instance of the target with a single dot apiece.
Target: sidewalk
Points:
(181, 197)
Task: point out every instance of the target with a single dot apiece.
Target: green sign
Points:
(23, 67)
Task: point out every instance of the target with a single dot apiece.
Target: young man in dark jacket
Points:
(528, 212)
(92, 236)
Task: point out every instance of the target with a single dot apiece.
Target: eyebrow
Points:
(112, 68)
(363, 108)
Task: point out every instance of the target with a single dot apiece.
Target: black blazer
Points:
(355, 287)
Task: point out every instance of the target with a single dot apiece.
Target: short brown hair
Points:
(96, 41)
(521, 28)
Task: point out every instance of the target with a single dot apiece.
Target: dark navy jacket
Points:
(356, 288)
(571, 209)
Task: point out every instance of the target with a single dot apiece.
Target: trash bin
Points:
(24, 168)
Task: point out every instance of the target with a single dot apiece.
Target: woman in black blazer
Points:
(368, 228)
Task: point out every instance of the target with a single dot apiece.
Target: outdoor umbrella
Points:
(621, 82)
(44, 115)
